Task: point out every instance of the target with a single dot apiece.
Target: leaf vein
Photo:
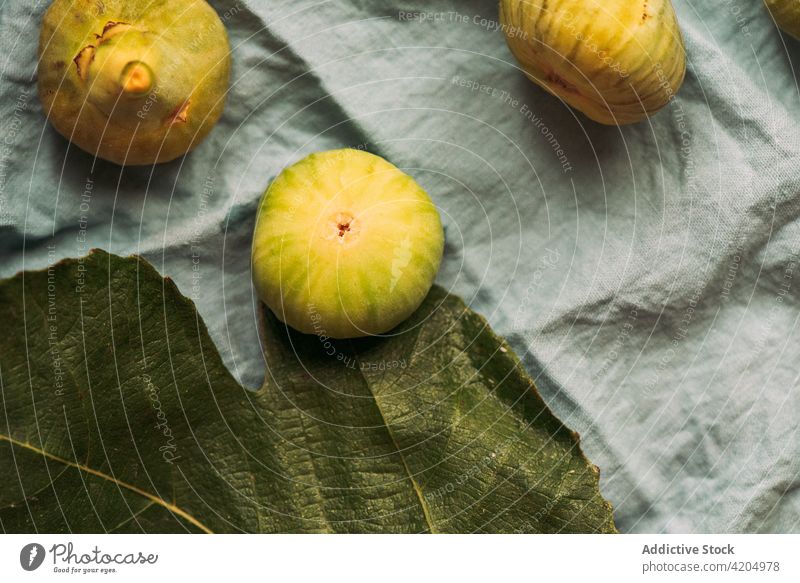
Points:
(135, 489)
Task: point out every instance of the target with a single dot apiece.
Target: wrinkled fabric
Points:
(648, 276)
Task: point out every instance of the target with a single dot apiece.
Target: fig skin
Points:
(345, 245)
(786, 14)
(617, 61)
(135, 82)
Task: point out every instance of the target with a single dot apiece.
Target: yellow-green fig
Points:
(786, 14)
(345, 245)
(617, 61)
(133, 81)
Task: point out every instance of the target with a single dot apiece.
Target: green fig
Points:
(786, 14)
(133, 81)
(345, 245)
(617, 61)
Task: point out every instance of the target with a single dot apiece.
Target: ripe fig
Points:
(345, 245)
(617, 61)
(786, 14)
(133, 81)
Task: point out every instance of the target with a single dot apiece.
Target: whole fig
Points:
(345, 245)
(617, 61)
(786, 14)
(133, 81)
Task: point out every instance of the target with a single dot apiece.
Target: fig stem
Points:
(115, 60)
(136, 78)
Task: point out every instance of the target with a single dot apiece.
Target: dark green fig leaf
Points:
(118, 415)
